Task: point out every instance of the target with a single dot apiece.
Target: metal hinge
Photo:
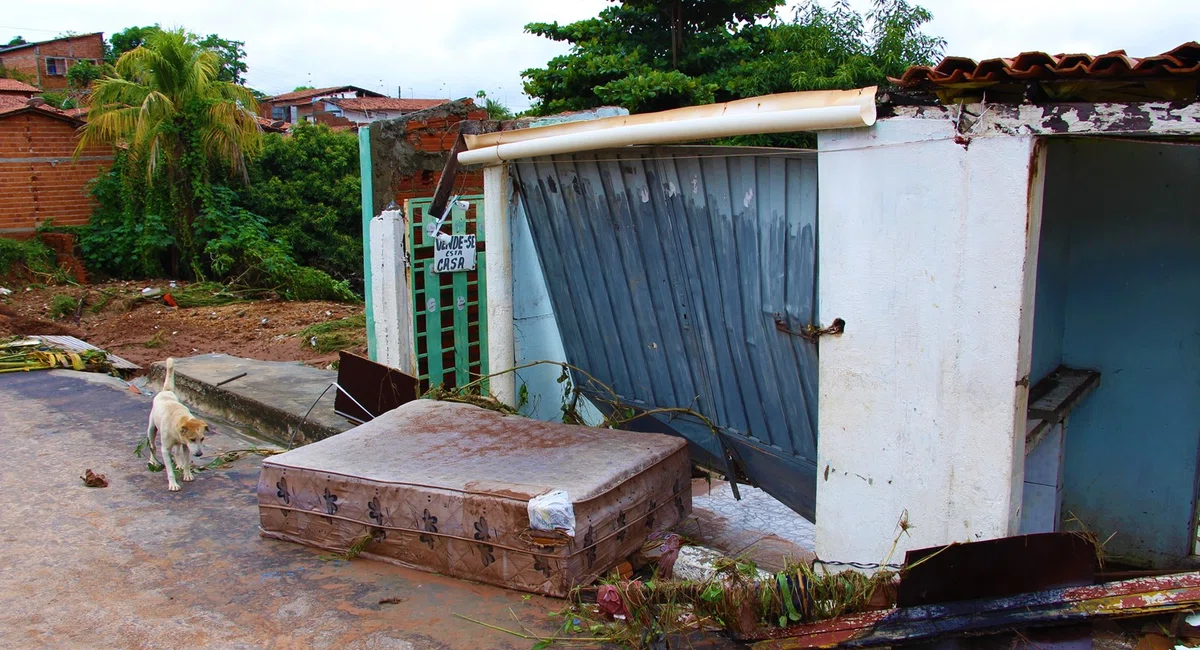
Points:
(811, 332)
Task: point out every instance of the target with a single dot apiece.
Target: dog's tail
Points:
(169, 378)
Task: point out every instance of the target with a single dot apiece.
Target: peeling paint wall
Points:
(922, 250)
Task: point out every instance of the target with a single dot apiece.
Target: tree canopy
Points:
(231, 54)
(649, 55)
(179, 123)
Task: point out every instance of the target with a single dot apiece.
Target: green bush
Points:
(240, 247)
(32, 254)
(128, 238)
(306, 187)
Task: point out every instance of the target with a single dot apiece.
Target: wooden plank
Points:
(462, 326)
(1060, 391)
(368, 213)
(445, 184)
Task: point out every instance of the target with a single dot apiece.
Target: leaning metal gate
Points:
(685, 277)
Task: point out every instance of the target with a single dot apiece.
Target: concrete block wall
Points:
(408, 153)
(39, 180)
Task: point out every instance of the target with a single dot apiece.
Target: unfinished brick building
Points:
(45, 63)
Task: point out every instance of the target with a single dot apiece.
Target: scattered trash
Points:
(149, 292)
(263, 322)
(5, 292)
(172, 284)
(170, 301)
(94, 480)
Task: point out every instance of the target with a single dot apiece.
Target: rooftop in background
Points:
(11, 105)
(300, 96)
(386, 104)
(1040, 77)
(10, 48)
(14, 87)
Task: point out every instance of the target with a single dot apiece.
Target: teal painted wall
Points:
(1118, 290)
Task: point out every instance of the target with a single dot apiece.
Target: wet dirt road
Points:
(135, 566)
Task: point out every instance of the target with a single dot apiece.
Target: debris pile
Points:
(22, 355)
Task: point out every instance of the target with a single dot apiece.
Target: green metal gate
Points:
(449, 309)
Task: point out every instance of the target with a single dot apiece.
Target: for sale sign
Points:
(454, 253)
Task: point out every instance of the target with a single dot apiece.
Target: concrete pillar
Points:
(500, 330)
(390, 292)
(923, 250)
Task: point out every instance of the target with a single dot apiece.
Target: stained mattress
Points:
(444, 487)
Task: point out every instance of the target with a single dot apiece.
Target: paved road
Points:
(136, 566)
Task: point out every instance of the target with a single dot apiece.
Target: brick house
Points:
(39, 179)
(313, 105)
(46, 62)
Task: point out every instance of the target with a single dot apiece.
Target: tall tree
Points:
(650, 55)
(231, 54)
(180, 125)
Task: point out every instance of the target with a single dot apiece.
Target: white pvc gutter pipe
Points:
(701, 128)
(769, 114)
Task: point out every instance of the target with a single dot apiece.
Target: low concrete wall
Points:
(270, 400)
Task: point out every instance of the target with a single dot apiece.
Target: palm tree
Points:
(176, 121)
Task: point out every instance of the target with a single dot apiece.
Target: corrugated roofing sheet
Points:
(1171, 75)
(72, 344)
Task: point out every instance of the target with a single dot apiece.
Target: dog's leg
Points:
(168, 466)
(185, 463)
(151, 434)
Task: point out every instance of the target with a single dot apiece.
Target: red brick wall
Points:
(437, 136)
(32, 60)
(38, 180)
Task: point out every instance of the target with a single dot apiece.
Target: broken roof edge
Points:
(785, 112)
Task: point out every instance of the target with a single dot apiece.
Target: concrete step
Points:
(269, 400)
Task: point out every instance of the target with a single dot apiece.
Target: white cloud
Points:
(452, 48)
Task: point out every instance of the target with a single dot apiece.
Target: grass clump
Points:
(62, 306)
(335, 335)
(31, 254)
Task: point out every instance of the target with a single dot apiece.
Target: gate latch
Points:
(811, 332)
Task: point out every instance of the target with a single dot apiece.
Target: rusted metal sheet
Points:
(371, 386)
(1053, 607)
(996, 567)
(670, 270)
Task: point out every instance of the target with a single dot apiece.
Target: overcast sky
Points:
(452, 48)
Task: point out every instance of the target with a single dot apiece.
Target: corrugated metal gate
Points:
(450, 324)
(672, 271)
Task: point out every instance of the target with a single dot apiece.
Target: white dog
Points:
(179, 431)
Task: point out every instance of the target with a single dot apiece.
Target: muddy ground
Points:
(115, 317)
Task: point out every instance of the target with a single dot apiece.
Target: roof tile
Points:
(14, 86)
(386, 104)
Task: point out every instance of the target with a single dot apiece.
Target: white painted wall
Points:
(390, 292)
(923, 246)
